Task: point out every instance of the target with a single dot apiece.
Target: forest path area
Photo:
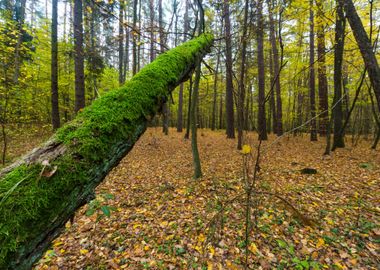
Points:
(160, 218)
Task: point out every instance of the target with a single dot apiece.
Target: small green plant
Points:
(100, 207)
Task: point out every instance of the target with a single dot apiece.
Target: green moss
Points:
(96, 139)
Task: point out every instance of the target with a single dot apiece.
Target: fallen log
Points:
(41, 192)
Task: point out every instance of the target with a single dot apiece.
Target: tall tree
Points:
(134, 38)
(79, 56)
(230, 127)
(194, 105)
(322, 78)
(241, 98)
(54, 66)
(338, 139)
(165, 106)
(181, 87)
(276, 70)
(365, 46)
(313, 122)
(121, 42)
(262, 126)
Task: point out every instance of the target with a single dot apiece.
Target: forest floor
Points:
(160, 218)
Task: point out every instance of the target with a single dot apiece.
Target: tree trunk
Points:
(215, 95)
(121, 42)
(277, 78)
(134, 38)
(322, 79)
(230, 130)
(365, 47)
(313, 122)
(262, 128)
(42, 191)
(54, 67)
(180, 95)
(79, 56)
(240, 109)
(338, 139)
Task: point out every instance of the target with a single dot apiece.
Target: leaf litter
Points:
(162, 218)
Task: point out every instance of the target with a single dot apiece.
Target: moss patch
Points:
(96, 140)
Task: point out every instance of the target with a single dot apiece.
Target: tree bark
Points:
(338, 139)
(41, 191)
(322, 78)
(313, 122)
(134, 38)
(276, 66)
(241, 93)
(54, 67)
(262, 128)
(365, 46)
(180, 95)
(121, 42)
(230, 129)
(79, 56)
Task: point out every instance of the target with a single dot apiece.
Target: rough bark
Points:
(338, 139)
(230, 129)
(276, 67)
(365, 46)
(241, 98)
(134, 38)
(121, 42)
(322, 78)
(262, 128)
(40, 192)
(313, 122)
(54, 67)
(79, 56)
(180, 95)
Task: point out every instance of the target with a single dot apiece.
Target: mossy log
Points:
(41, 192)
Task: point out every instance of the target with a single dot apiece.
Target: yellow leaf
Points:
(211, 250)
(201, 238)
(83, 251)
(320, 242)
(340, 266)
(209, 266)
(57, 244)
(146, 248)
(246, 149)
(253, 248)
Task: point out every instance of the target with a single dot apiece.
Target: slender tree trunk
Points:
(121, 42)
(313, 123)
(322, 78)
(241, 98)
(338, 139)
(79, 55)
(272, 103)
(187, 134)
(151, 16)
(165, 106)
(230, 130)
(180, 95)
(54, 67)
(262, 128)
(20, 23)
(134, 38)
(127, 34)
(215, 95)
(365, 47)
(194, 110)
(276, 66)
